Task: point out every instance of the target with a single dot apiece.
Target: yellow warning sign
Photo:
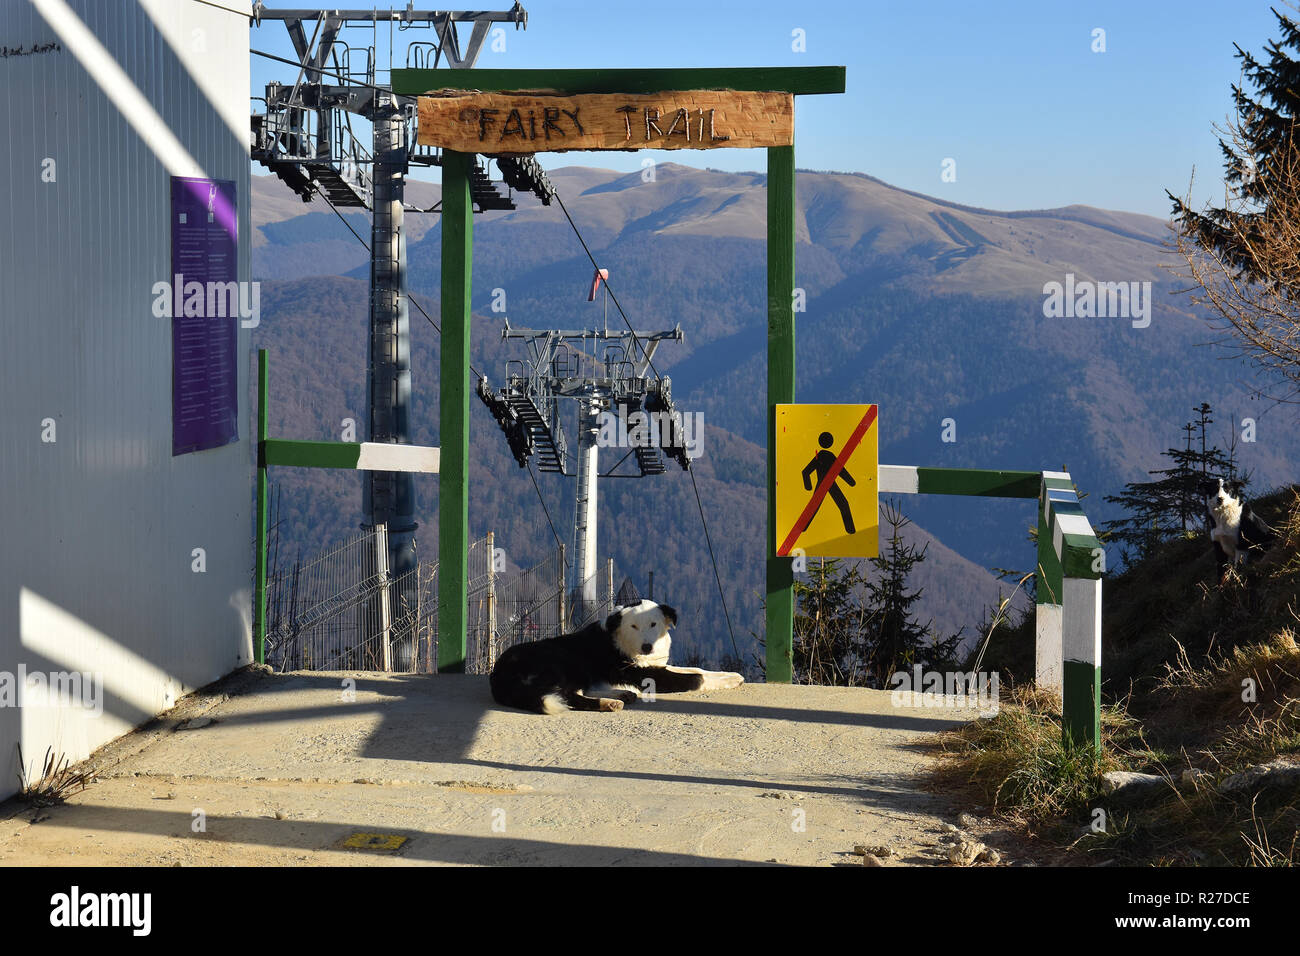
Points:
(826, 490)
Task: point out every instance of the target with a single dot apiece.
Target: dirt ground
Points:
(292, 765)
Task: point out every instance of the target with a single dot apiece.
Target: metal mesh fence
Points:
(514, 608)
(338, 611)
(320, 612)
(594, 600)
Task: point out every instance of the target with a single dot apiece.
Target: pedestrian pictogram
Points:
(826, 452)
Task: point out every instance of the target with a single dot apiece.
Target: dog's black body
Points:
(533, 676)
(1239, 535)
(1253, 535)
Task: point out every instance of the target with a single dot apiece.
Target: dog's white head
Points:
(641, 632)
(1222, 499)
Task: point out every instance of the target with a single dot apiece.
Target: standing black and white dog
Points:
(601, 667)
(1239, 535)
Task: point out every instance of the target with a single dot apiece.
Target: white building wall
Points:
(97, 528)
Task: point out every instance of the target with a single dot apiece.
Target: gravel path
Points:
(289, 768)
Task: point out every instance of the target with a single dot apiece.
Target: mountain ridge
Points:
(931, 309)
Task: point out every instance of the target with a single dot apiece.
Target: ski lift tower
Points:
(304, 135)
(603, 371)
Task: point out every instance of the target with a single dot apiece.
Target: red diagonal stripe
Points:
(825, 485)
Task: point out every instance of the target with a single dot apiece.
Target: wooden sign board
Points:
(538, 122)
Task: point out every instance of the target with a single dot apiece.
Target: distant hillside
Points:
(292, 239)
(314, 330)
(931, 309)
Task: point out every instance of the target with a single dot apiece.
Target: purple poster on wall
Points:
(205, 312)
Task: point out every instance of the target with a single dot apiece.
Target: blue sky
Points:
(1011, 90)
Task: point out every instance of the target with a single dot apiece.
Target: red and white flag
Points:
(596, 279)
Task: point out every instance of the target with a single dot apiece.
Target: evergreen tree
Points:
(895, 640)
(856, 630)
(1260, 149)
(828, 623)
(1171, 504)
(1243, 258)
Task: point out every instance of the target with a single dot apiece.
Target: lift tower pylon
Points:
(389, 497)
(305, 137)
(606, 372)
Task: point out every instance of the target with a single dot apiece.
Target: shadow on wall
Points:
(97, 562)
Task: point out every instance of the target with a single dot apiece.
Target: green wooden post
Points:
(1073, 564)
(453, 414)
(1081, 670)
(259, 598)
(1080, 627)
(780, 391)
(457, 233)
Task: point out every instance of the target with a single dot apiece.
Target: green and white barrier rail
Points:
(1071, 561)
(361, 456)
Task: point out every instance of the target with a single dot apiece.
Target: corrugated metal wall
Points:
(98, 527)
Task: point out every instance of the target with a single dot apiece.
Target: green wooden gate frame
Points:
(294, 453)
(1071, 561)
(457, 257)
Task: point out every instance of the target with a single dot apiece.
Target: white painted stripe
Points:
(1057, 540)
(1063, 475)
(1082, 626)
(119, 88)
(897, 479)
(1074, 524)
(1047, 647)
(382, 456)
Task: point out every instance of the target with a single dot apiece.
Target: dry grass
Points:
(58, 780)
(1016, 763)
(1202, 676)
(1243, 706)
(1173, 605)
(1016, 760)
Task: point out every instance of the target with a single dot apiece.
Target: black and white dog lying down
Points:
(1239, 535)
(601, 667)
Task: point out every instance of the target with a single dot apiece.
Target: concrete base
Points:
(290, 768)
